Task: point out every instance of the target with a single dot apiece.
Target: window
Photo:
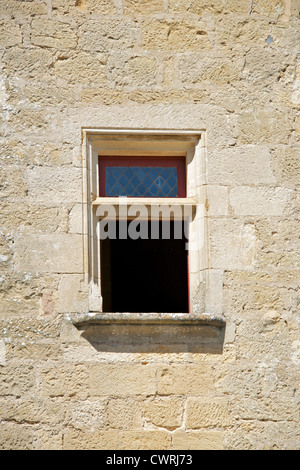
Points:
(147, 270)
(145, 220)
(142, 176)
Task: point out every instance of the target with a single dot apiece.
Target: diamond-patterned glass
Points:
(140, 181)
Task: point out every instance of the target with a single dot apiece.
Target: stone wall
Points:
(228, 67)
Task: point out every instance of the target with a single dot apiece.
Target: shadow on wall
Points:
(164, 338)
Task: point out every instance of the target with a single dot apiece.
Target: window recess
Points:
(132, 175)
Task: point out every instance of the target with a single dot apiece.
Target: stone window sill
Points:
(152, 332)
(84, 321)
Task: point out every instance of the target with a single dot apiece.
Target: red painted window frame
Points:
(172, 161)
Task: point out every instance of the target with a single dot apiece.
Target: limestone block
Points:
(198, 440)
(54, 34)
(74, 439)
(166, 412)
(232, 30)
(250, 292)
(21, 293)
(28, 63)
(107, 35)
(280, 237)
(2, 353)
(17, 380)
(119, 380)
(286, 165)
(32, 330)
(39, 411)
(246, 200)
(82, 7)
(295, 7)
(49, 253)
(71, 298)
(82, 68)
(16, 436)
(76, 219)
(203, 413)
(10, 34)
(142, 7)
(36, 352)
(17, 152)
(23, 9)
(34, 122)
(214, 292)
(197, 69)
(270, 8)
(144, 440)
(244, 165)
(13, 187)
(267, 67)
(239, 7)
(179, 380)
(87, 414)
(53, 185)
(49, 94)
(267, 410)
(34, 218)
(48, 438)
(264, 127)
(217, 200)
(198, 7)
(136, 71)
(65, 381)
(233, 244)
(175, 36)
(151, 116)
(124, 413)
(201, 7)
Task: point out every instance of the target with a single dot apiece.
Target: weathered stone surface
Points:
(82, 68)
(17, 380)
(124, 413)
(143, 7)
(238, 249)
(74, 439)
(264, 127)
(148, 440)
(122, 380)
(107, 35)
(28, 64)
(164, 412)
(23, 9)
(229, 70)
(10, 34)
(196, 379)
(249, 164)
(16, 436)
(47, 186)
(175, 36)
(256, 201)
(204, 413)
(198, 440)
(134, 71)
(67, 382)
(82, 7)
(54, 34)
(34, 254)
(72, 296)
(87, 414)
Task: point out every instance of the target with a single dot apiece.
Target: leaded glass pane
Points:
(141, 181)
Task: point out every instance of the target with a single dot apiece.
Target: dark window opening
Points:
(146, 275)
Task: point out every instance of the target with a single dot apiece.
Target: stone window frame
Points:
(164, 142)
